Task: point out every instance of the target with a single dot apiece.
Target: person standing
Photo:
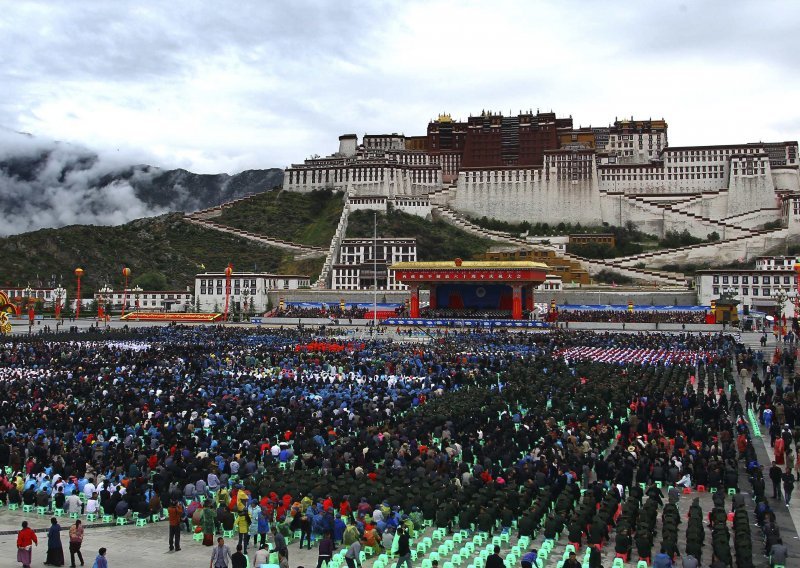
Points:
(208, 520)
(55, 551)
(404, 548)
(175, 512)
(494, 560)
(220, 555)
(75, 541)
(326, 548)
(243, 522)
(238, 560)
(305, 530)
(788, 485)
(775, 475)
(280, 542)
(26, 538)
(100, 561)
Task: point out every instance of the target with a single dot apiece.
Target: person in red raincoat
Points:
(26, 538)
(780, 451)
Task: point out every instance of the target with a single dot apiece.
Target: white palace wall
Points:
(688, 188)
(532, 198)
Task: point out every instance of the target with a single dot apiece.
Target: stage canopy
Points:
(473, 285)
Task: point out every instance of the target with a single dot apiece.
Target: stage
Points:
(481, 290)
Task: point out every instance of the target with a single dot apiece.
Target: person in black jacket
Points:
(404, 548)
(495, 560)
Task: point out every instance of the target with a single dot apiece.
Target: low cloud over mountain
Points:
(53, 184)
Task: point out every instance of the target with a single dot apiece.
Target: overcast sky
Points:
(227, 86)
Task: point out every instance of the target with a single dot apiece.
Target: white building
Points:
(137, 299)
(359, 259)
(552, 283)
(246, 288)
(631, 176)
(758, 288)
(48, 296)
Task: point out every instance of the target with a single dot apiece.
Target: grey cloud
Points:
(47, 184)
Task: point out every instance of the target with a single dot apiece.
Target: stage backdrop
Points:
(492, 296)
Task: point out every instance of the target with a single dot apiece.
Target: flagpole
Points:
(375, 273)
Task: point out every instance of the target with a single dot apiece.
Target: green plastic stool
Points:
(13, 506)
(228, 534)
(27, 508)
(122, 521)
(108, 518)
(42, 511)
(141, 522)
(91, 517)
(731, 491)
(197, 536)
(58, 512)
(74, 515)
(155, 518)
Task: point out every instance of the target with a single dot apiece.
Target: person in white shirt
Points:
(92, 505)
(89, 489)
(262, 556)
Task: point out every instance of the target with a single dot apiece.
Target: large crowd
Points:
(329, 312)
(637, 316)
(357, 440)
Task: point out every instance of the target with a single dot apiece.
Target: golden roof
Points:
(471, 265)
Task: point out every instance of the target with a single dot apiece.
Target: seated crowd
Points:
(624, 316)
(474, 431)
(321, 312)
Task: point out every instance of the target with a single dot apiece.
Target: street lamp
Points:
(781, 297)
(78, 274)
(137, 290)
(106, 292)
(29, 304)
(245, 298)
(58, 296)
(126, 272)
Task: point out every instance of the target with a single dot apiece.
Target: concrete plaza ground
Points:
(128, 546)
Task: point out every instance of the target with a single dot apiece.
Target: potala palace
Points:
(539, 168)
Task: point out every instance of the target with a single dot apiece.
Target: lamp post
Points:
(126, 272)
(228, 272)
(102, 301)
(136, 292)
(781, 296)
(58, 294)
(78, 274)
(245, 297)
(29, 304)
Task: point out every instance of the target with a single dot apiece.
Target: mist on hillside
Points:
(49, 184)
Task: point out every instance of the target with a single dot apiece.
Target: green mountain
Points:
(163, 251)
(305, 218)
